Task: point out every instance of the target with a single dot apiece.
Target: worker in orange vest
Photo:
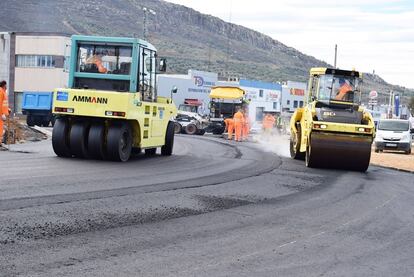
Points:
(238, 119)
(4, 107)
(229, 127)
(268, 123)
(343, 90)
(246, 126)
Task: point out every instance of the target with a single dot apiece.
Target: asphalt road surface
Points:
(214, 208)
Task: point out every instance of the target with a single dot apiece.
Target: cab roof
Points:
(334, 71)
(113, 40)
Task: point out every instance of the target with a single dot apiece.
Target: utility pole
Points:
(146, 10)
(336, 54)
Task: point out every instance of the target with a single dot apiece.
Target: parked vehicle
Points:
(188, 120)
(37, 106)
(394, 134)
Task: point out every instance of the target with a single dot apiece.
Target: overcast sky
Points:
(371, 34)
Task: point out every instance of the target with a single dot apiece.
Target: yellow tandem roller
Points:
(332, 130)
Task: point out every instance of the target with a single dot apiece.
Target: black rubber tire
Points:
(37, 121)
(167, 148)
(219, 131)
(191, 129)
(30, 120)
(178, 128)
(78, 140)
(201, 132)
(408, 152)
(119, 142)
(60, 138)
(150, 151)
(295, 145)
(96, 141)
(45, 123)
(377, 150)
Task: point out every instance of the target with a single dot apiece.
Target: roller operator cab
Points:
(111, 108)
(332, 129)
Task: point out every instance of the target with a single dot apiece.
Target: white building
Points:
(293, 96)
(194, 85)
(263, 97)
(33, 62)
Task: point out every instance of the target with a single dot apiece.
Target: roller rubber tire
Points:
(167, 149)
(60, 138)
(96, 141)
(119, 142)
(78, 140)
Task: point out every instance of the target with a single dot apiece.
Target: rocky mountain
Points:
(189, 39)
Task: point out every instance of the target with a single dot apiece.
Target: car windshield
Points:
(393, 125)
(104, 59)
(188, 108)
(339, 88)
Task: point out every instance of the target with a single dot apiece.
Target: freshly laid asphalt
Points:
(214, 208)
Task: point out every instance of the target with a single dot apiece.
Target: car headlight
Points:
(378, 137)
(406, 137)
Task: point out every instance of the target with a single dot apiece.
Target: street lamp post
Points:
(146, 10)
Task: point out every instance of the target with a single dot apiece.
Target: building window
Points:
(261, 93)
(301, 104)
(288, 102)
(274, 105)
(295, 104)
(66, 64)
(35, 61)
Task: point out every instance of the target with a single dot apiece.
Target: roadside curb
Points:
(394, 168)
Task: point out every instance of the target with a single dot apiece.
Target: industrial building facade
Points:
(33, 62)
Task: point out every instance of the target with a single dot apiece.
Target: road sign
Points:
(373, 94)
(373, 102)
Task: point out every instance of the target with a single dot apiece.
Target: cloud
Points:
(371, 34)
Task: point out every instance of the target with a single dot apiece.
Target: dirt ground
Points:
(394, 159)
(20, 132)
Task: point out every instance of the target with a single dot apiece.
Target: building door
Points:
(259, 113)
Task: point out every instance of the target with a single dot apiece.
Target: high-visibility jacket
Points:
(229, 123)
(268, 122)
(4, 103)
(345, 88)
(238, 118)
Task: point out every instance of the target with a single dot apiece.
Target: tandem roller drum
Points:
(341, 151)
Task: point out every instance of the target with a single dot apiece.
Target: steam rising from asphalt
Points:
(275, 143)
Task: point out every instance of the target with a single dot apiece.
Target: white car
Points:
(393, 134)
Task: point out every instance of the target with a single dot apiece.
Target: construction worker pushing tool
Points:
(4, 107)
(229, 127)
(238, 124)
